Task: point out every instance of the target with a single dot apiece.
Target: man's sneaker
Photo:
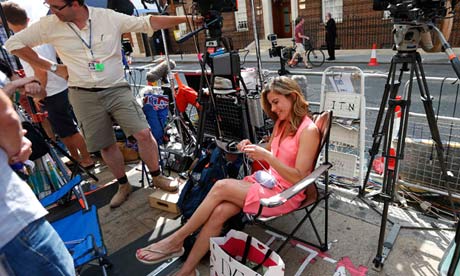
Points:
(167, 184)
(308, 66)
(121, 195)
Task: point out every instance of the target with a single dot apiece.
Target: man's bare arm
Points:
(42, 76)
(31, 57)
(164, 22)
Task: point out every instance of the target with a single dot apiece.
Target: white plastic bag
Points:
(227, 256)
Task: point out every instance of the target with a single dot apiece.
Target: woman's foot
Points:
(158, 252)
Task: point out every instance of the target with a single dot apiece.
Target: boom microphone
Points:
(160, 71)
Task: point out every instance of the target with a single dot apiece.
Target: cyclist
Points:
(299, 49)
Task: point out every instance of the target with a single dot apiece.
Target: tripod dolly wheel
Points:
(378, 265)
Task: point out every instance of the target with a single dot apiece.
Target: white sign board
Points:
(344, 105)
(342, 83)
(343, 164)
(343, 136)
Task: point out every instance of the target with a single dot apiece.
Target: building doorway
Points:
(282, 18)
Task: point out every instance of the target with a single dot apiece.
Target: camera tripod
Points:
(383, 130)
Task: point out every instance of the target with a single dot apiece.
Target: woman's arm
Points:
(308, 145)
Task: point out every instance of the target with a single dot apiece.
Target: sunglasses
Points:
(54, 8)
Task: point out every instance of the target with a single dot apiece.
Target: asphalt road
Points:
(374, 87)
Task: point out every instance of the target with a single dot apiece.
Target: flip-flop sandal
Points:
(166, 256)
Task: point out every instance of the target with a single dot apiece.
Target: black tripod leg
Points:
(456, 257)
(391, 89)
(390, 177)
(56, 146)
(431, 118)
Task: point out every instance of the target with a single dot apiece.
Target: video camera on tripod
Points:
(213, 21)
(414, 19)
(211, 12)
(278, 51)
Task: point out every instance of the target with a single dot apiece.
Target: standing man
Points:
(299, 43)
(331, 35)
(55, 98)
(88, 42)
(28, 243)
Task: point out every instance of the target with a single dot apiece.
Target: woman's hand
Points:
(24, 152)
(256, 152)
(242, 144)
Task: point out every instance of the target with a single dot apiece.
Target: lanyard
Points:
(87, 44)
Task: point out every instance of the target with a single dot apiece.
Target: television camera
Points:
(414, 19)
(213, 21)
(413, 11)
(278, 51)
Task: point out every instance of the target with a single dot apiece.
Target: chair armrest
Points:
(300, 186)
(52, 198)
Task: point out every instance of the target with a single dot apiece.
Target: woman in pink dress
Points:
(290, 154)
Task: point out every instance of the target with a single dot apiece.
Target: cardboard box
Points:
(165, 201)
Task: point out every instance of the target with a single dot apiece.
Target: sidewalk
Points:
(342, 56)
(353, 237)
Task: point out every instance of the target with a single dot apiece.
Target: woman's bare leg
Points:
(211, 228)
(226, 190)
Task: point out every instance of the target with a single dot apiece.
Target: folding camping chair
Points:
(80, 230)
(307, 186)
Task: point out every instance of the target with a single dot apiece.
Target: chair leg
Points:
(314, 228)
(105, 264)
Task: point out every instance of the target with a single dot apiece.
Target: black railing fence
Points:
(358, 32)
(353, 32)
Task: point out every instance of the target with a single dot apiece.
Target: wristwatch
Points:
(53, 67)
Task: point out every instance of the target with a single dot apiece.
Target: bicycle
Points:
(315, 56)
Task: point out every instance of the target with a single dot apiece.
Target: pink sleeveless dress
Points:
(284, 152)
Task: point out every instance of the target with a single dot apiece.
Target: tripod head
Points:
(407, 38)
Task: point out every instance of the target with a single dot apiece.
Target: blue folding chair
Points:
(80, 230)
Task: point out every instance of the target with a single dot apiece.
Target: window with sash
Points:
(335, 7)
(182, 26)
(241, 17)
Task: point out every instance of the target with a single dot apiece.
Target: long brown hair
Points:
(289, 88)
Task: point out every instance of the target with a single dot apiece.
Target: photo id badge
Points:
(96, 66)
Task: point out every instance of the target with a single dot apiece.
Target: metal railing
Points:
(360, 32)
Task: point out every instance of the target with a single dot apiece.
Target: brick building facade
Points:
(358, 28)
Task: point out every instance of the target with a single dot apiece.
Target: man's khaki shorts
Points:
(95, 110)
(299, 48)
